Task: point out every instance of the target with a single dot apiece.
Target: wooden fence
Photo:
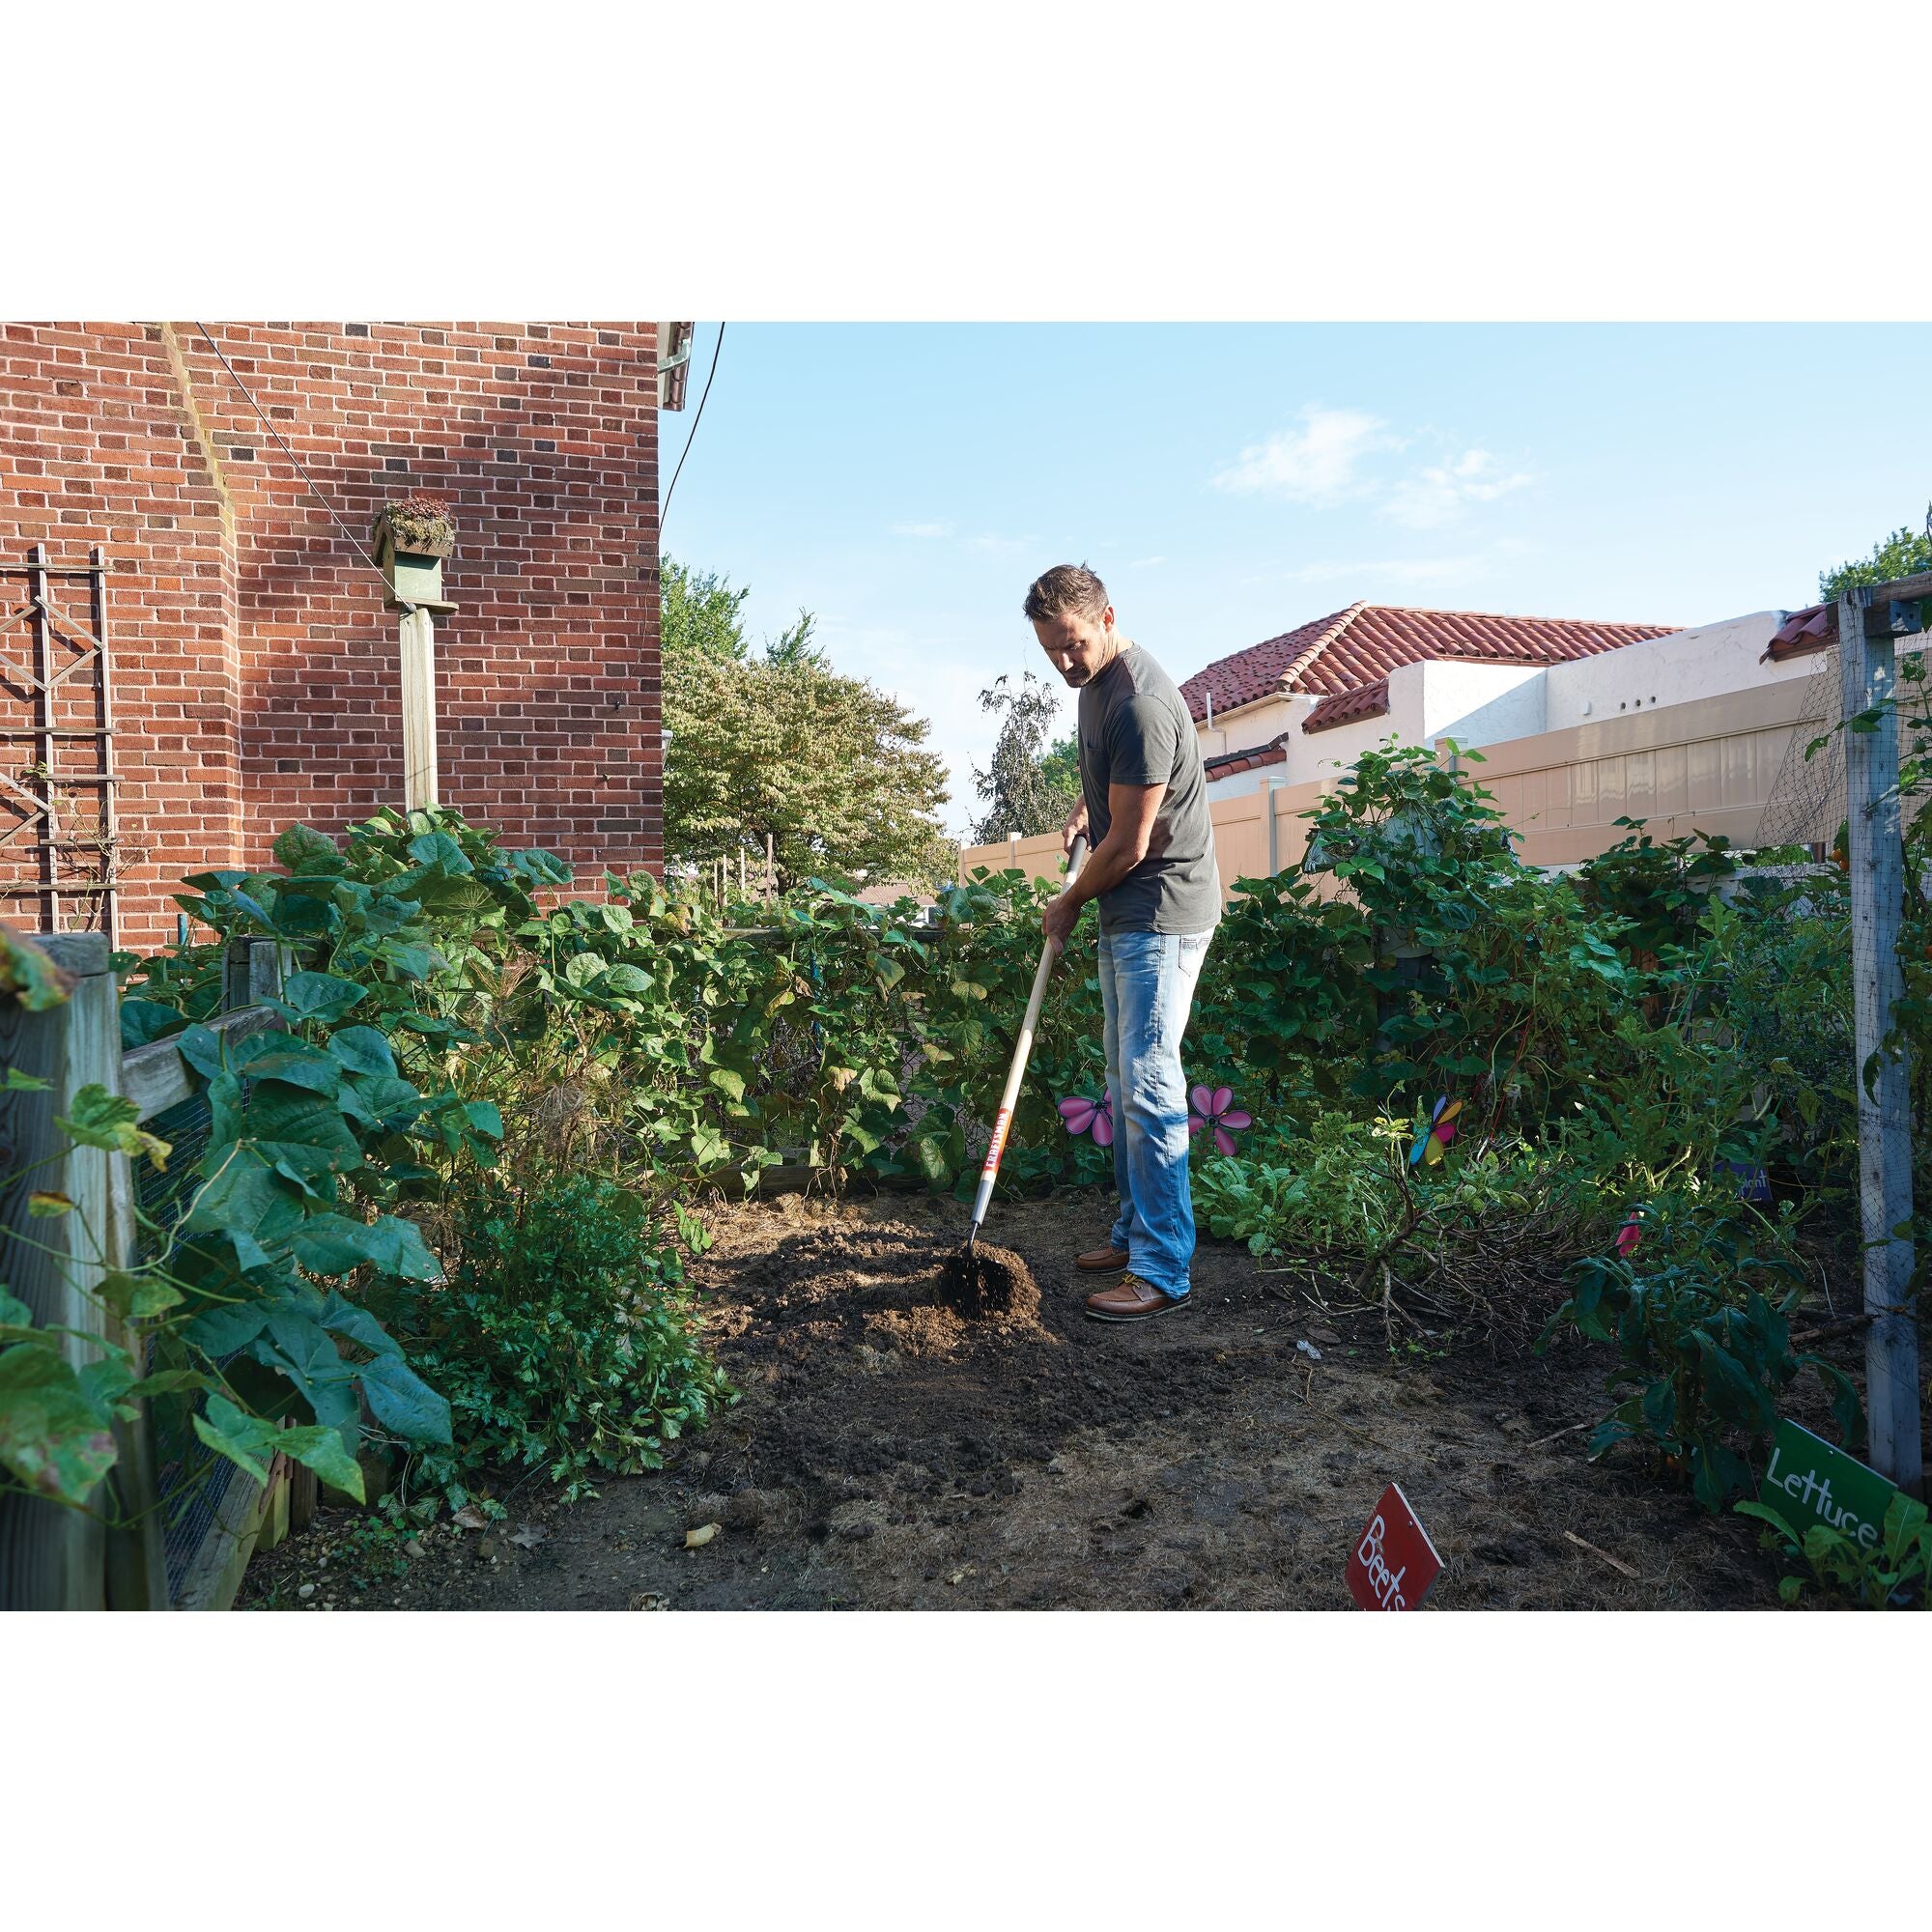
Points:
(190, 1529)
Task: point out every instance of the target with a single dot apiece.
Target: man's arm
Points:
(1133, 809)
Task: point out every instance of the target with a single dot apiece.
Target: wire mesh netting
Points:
(1806, 804)
(192, 1480)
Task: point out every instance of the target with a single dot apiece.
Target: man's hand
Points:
(1076, 824)
(1059, 920)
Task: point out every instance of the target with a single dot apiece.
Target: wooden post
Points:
(418, 676)
(771, 871)
(741, 872)
(51, 1557)
(1876, 849)
(1268, 826)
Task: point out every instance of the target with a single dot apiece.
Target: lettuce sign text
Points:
(1808, 1482)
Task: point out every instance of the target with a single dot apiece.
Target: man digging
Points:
(1143, 807)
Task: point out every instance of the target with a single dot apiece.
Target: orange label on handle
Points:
(998, 1142)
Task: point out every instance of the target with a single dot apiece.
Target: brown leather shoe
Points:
(1132, 1299)
(1101, 1260)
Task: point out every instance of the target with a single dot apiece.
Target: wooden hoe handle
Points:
(1076, 857)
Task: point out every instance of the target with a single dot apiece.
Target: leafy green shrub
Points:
(1705, 1350)
(1334, 1190)
(564, 1336)
(1651, 888)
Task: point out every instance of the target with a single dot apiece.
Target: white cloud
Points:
(922, 529)
(1146, 562)
(1439, 493)
(990, 542)
(1318, 464)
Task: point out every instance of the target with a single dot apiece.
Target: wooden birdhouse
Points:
(413, 535)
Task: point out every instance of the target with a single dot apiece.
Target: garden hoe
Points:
(983, 1280)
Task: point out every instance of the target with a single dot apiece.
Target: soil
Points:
(893, 1453)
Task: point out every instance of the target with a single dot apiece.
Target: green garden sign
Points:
(1808, 1482)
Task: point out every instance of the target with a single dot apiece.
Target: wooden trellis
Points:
(57, 708)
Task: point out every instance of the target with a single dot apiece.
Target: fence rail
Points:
(181, 1534)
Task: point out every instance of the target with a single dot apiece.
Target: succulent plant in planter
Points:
(413, 535)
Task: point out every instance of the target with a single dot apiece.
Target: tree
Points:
(1903, 554)
(1034, 780)
(776, 742)
(699, 617)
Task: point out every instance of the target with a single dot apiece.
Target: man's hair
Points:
(1067, 586)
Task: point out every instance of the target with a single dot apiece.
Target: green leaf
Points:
(293, 1063)
(412, 962)
(45, 1204)
(321, 997)
(244, 1195)
(17, 1081)
(401, 1399)
(53, 1439)
(102, 1119)
(221, 1330)
(439, 848)
(382, 1100)
(136, 1297)
(484, 1117)
(362, 1049)
(146, 1020)
(29, 975)
(322, 1450)
(300, 849)
(299, 1133)
(200, 1047)
(244, 1439)
(341, 1316)
(336, 1243)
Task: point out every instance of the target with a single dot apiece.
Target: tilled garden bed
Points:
(891, 1454)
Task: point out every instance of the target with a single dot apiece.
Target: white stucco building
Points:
(1307, 704)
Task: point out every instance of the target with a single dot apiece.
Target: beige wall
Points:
(1707, 766)
(1240, 838)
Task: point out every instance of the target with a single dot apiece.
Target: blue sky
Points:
(907, 482)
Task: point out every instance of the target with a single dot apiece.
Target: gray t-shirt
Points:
(1135, 730)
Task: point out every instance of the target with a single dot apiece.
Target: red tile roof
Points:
(1228, 763)
(1812, 630)
(1354, 647)
(1349, 707)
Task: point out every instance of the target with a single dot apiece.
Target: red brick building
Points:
(252, 666)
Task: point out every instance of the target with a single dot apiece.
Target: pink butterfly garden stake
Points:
(1080, 1114)
(1214, 1109)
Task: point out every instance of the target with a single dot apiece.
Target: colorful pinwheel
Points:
(1436, 1135)
(1216, 1108)
(1081, 1114)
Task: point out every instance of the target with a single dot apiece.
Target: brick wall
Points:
(254, 662)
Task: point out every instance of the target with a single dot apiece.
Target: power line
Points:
(353, 540)
(693, 437)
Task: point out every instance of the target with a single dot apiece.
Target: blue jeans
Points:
(1147, 987)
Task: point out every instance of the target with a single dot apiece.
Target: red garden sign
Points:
(1393, 1562)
